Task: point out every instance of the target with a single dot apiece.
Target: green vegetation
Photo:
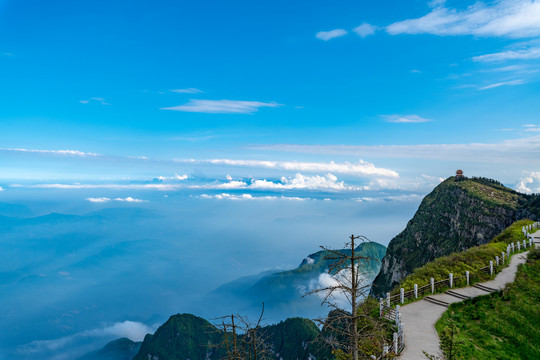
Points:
(182, 337)
(121, 349)
(491, 191)
(290, 338)
(470, 260)
(374, 333)
(186, 336)
(502, 325)
(512, 233)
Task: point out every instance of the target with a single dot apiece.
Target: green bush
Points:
(512, 233)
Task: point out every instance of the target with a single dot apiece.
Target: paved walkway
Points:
(419, 317)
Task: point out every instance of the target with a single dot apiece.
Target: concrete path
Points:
(419, 317)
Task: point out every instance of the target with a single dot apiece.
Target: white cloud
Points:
(405, 118)
(1, 188)
(162, 187)
(512, 151)
(504, 83)
(132, 330)
(225, 196)
(106, 199)
(507, 18)
(404, 198)
(327, 35)
(180, 177)
(96, 99)
(365, 30)
(54, 152)
(188, 91)
(328, 182)
(530, 183)
(327, 281)
(531, 128)
(99, 200)
(129, 199)
(299, 181)
(228, 177)
(522, 54)
(361, 168)
(222, 106)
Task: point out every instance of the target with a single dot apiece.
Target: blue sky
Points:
(247, 80)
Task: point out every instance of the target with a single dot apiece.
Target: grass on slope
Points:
(469, 260)
(502, 325)
(491, 191)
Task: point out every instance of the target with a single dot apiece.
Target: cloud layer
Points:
(522, 54)
(514, 151)
(226, 196)
(328, 182)
(328, 35)
(222, 106)
(53, 152)
(105, 199)
(134, 331)
(361, 168)
(405, 118)
(365, 30)
(508, 18)
(530, 183)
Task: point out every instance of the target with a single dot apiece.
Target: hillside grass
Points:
(491, 191)
(502, 325)
(470, 260)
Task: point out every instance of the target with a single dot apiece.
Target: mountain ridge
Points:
(459, 213)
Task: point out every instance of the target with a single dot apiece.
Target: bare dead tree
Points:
(243, 340)
(344, 321)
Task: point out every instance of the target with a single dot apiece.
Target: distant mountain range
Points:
(283, 291)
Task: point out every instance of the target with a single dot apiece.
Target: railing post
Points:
(380, 307)
(402, 295)
(451, 280)
(513, 248)
(395, 343)
(491, 267)
(432, 282)
(502, 254)
(497, 260)
(415, 291)
(385, 350)
(524, 244)
(467, 275)
(398, 315)
(388, 299)
(519, 246)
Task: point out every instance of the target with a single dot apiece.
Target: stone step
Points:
(484, 288)
(436, 301)
(458, 295)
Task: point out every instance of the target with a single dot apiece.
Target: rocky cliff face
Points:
(456, 215)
